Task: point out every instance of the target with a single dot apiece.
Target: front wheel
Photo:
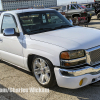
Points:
(98, 16)
(43, 71)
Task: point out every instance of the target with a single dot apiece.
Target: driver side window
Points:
(71, 7)
(8, 22)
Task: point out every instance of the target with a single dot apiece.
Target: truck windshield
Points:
(82, 6)
(42, 21)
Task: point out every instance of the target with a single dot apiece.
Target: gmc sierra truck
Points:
(44, 42)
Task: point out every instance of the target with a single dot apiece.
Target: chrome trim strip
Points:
(92, 49)
(82, 71)
(73, 66)
(74, 60)
(88, 51)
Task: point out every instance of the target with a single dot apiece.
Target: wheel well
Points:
(75, 15)
(30, 59)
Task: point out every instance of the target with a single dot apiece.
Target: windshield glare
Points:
(36, 22)
(82, 6)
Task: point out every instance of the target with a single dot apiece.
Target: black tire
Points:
(98, 16)
(88, 19)
(76, 22)
(52, 81)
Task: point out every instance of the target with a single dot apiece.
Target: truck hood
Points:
(70, 38)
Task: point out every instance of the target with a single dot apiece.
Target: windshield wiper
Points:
(41, 30)
(63, 26)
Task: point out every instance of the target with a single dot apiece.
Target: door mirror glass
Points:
(10, 32)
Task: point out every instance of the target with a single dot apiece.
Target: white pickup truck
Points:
(44, 42)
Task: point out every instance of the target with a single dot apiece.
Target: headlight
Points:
(68, 59)
(72, 54)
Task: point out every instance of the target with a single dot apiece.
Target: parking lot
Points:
(13, 77)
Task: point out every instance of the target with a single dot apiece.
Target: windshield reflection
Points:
(36, 22)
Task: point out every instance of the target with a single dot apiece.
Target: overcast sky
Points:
(61, 2)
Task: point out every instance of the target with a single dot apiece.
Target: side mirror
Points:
(10, 32)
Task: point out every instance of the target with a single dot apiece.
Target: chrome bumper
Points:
(71, 80)
(82, 71)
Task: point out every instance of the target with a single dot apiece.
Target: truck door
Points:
(11, 46)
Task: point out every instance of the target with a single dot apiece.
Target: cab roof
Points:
(26, 10)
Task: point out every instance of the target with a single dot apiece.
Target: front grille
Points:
(95, 57)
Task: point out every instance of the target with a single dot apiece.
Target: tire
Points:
(43, 72)
(98, 16)
(88, 19)
(76, 22)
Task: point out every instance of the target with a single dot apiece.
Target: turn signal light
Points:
(64, 55)
(67, 64)
(81, 82)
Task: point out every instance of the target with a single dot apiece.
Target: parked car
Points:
(97, 10)
(95, 6)
(76, 10)
(44, 42)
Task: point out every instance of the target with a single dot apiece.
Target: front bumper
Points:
(71, 78)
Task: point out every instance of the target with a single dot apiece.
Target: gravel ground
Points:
(13, 77)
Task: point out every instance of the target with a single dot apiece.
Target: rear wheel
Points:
(43, 71)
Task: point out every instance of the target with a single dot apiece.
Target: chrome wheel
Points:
(41, 71)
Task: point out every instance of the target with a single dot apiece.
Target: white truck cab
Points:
(44, 42)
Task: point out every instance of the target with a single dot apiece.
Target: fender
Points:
(54, 58)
